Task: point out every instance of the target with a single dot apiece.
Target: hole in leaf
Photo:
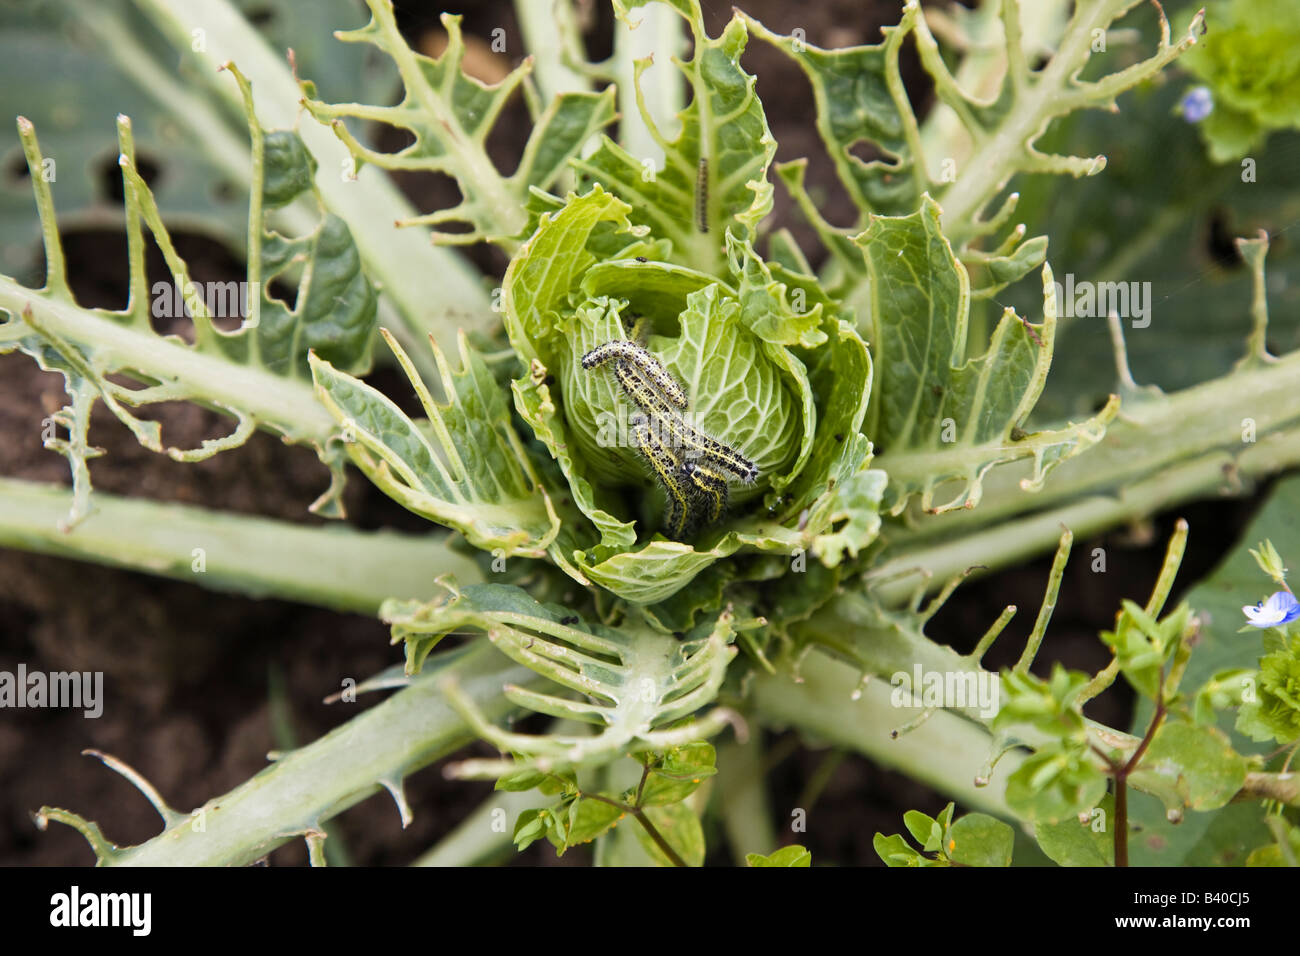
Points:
(1220, 240)
(218, 277)
(15, 168)
(259, 16)
(596, 20)
(788, 102)
(110, 175)
(506, 141)
(394, 139)
(187, 423)
(456, 228)
(283, 291)
(126, 381)
(867, 152)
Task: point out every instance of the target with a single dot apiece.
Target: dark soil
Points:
(189, 673)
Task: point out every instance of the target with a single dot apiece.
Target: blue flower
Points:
(1196, 104)
(1281, 608)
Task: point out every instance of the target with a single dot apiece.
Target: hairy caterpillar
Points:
(624, 353)
(677, 433)
(640, 330)
(667, 469)
(709, 485)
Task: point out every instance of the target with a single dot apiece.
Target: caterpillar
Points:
(709, 485)
(667, 469)
(692, 467)
(624, 353)
(702, 196)
(679, 434)
(640, 329)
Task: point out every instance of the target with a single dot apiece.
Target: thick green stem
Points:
(982, 551)
(434, 289)
(1201, 441)
(658, 34)
(947, 752)
(1247, 418)
(550, 30)
(302, 789)
(329, 566)
(287, 405)
(486, 833)
(741, 798)
(828, 702)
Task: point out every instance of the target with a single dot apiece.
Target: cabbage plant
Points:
(744, 514)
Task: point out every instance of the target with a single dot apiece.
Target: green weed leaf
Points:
(678, 774)
(1197, 762)
(978, 839)
(680, 827)
(786, 856)
(1056, 783)
(1086, 841)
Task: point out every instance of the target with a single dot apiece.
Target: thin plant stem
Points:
(1122, 772)
(673, 857)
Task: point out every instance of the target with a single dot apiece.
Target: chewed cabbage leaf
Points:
(715, 171)
(939, 415)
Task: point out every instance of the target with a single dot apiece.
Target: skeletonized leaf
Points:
(715, 172)
(449, 115)
(635, 685)
(937, 414)
(463, 466)
(256, 373)
(858, 92)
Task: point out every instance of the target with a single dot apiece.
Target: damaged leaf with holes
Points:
(334, 312)
(880, 418)
(449, 116)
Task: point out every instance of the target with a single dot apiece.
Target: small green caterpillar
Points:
(702, 196)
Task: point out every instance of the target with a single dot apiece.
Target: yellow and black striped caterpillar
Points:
(692, 468)
(667, 468)
(623, 353)
(690, 442)
(709, 486)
